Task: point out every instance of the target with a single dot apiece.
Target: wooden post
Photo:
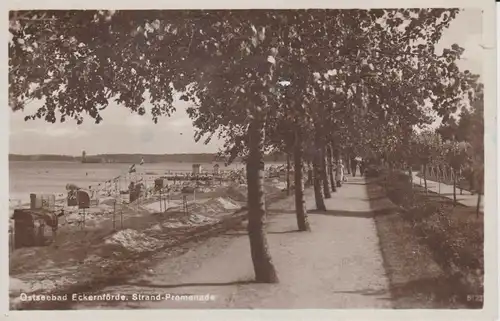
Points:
(184, 204)
(161, 207)
(439, 180)
(287, 174)
(121, 217)
(114, 215)
(458, 181)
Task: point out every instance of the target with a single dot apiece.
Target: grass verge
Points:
(433, 251)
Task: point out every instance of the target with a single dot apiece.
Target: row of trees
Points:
(315, 84)
(458, 145)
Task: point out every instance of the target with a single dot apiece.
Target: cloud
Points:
(135, 120)
(184, 122)
(72, 132)
(53, 131)
(466, 31)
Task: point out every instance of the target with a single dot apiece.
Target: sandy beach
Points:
(112, 230)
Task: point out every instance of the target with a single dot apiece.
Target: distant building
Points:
(91, 159)
(216, 169)
(197, 169)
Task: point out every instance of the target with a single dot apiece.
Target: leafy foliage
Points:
(362, 79)
(228, 64)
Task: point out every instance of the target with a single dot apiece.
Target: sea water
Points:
(49, 177)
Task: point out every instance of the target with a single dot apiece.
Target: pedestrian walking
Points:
(339, 173)
(362, 167)
(354, 166)
(469, 174)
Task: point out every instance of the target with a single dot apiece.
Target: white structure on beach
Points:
(197, 169)
(216, 169)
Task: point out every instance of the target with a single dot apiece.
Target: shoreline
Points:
(176, 179)
(99, 252)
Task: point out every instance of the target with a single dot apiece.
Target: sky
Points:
(124, 132)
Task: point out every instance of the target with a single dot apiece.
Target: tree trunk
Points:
(425, 177)
(300, 209)
(287, 174)
(324, 174)
(320, 203)
(454, 188)
(330, 168)
(471, 181)
(262, 262)
(480, 190)
(309, 174)
(478, 206)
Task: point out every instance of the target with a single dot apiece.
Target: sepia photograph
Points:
(322, 158)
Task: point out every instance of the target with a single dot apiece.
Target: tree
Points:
(475, 138)
(228, 65)
(300, 209)
(287, 135)
(329, 155)
(427, 150)
(467, 132)
(457, 154)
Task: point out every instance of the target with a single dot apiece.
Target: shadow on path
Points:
(283, 211)
(182, 285)
(283, 232)
(357, 214)
(366, 292)
(354, 183)
(234, 233)
(430, 289)
(342, 213)
(363, 199)
(241, 233)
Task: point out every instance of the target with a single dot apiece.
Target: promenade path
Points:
(466, 198)
(337, 265)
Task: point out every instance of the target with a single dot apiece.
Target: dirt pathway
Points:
(466, 198)
(337, 265)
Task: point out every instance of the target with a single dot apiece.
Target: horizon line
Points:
(88, 155)
(128, 154)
